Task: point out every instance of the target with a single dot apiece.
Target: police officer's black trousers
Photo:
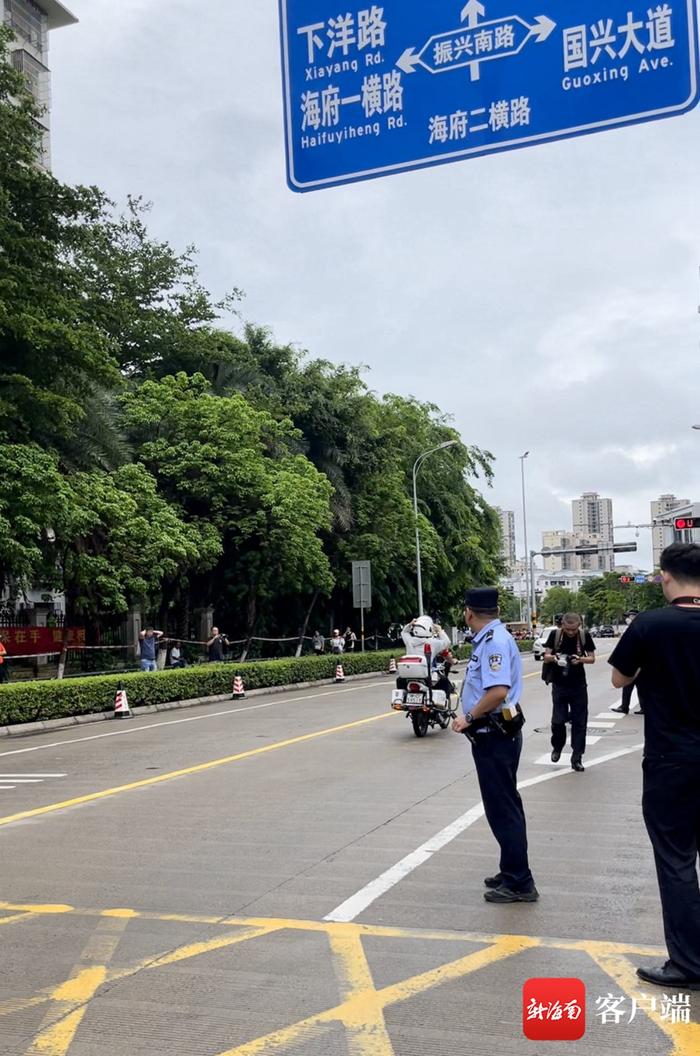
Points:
(496, 759)
(570, 703)
(671, 806)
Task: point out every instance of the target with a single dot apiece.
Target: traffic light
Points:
(684, 524)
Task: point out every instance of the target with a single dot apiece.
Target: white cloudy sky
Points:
(546, 298)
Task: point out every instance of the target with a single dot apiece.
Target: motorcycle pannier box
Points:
(412, 667)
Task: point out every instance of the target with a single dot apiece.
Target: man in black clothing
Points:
(624, 706)
(215, 646)
(568, 649)
(662, 650)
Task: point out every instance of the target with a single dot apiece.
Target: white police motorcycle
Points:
(424, 692)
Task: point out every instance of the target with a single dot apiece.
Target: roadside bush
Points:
(38, 701)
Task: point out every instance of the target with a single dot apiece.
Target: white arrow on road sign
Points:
(471, 13)
(499, 38)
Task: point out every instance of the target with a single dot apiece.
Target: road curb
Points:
(25, 729)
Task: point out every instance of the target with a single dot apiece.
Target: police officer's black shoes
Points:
(493, 881)
(501, 895)
(622, 711)
(577, 765)
(556, 756)
(668, 975)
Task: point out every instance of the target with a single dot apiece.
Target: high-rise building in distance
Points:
(592, 517)
(567, 540)
(31, 21)
(507, 519)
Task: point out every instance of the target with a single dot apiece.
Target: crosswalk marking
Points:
(10, 781)
(3, 776)
(565, 760)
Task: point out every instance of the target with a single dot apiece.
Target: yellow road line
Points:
(15, 917)
(364, 1005)
(188, 771)
(367, 1033)
(71, 999)
(327, 927)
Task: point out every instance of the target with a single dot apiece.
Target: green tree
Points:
(606, 599)
(559, 600)
(52, 355)
(226, 464)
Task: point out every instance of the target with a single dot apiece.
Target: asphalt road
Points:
(299, 874)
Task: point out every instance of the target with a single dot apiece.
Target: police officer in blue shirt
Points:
(494, 681)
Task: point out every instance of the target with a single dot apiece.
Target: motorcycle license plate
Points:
(414, 698)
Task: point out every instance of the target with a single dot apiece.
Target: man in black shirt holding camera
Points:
(662, 650)
(568, 650)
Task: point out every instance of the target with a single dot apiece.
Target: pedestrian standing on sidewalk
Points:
(216, 644)
(662, 651)
(337, 642)
(495, 679)
(318, 643)
(568, 650)
(148, 648)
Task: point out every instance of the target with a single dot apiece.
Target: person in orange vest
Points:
(4, 668)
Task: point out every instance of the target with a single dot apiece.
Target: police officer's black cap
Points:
(481, 598)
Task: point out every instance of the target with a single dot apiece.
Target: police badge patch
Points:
(495, 661)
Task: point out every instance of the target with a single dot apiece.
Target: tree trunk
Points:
(305, 625)
(251, 619)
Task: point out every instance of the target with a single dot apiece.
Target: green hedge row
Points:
(38, 701)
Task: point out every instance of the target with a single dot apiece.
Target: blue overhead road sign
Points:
(376, 88)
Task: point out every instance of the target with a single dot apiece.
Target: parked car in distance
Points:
(540, 642)
(606, 632)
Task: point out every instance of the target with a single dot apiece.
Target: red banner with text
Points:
(23, 641)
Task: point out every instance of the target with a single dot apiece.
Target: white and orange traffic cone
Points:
(339, 673)
(238, 689)
(392, 666)
(121, 705)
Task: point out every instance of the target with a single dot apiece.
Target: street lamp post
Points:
(416, 466)
(528, 606)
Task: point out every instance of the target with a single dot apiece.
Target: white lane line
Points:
(351, 908)
(38, 776)
(3, 788)
(608, 715)
(192, 718)
(602, 725)
(25, 780)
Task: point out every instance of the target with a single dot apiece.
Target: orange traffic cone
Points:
(121, 705)
(339, 673)
(238, 689)
(392, 666)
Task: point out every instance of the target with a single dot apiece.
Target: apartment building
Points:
(507, 521)
(32, 21)
(592, 518)
(567, 540)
